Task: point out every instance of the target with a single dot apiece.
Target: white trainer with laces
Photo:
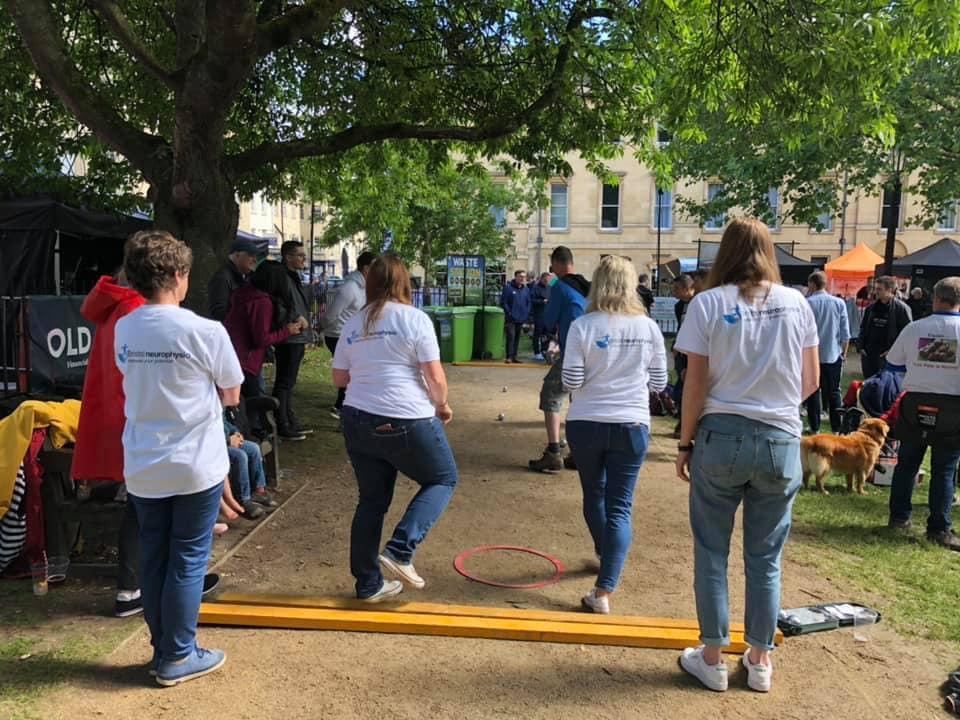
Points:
(712, 677)
(389, 589)
(406, 573)
(596, 603)
(759, 677)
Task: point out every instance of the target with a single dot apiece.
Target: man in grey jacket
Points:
(289, 353)
(350, 298)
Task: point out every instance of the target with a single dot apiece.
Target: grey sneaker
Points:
(898, 524)
(947, 539)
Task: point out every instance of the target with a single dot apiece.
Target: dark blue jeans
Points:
(943, 472)
(379, 448)
(830, 374)
(176, 534)
(608, 456)
(514, 330)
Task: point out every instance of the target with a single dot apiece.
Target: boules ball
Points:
(500, 417)
(503, 389)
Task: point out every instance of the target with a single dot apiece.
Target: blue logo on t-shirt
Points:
(124, 351)
(604, 342)
(733, 317)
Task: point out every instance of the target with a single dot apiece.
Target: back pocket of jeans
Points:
(394, 439)
(718, 454)
(784, 460)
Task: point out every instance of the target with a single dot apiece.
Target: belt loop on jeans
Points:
(707, 438)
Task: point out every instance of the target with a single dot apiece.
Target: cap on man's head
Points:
(245, 246)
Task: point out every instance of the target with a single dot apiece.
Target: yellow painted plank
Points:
(340, 603)
(451, 626)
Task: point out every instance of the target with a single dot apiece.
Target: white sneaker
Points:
(759, 677)
(389, 589)
(406, 573)
(713, 677)
(596, 603)
(538, 357)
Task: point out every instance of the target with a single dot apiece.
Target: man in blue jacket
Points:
(539, 296)
(515, 301)
(568, 299)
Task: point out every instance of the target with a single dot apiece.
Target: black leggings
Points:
(341, 392)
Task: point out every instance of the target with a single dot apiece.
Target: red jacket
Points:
(98, 454)
(249, 323)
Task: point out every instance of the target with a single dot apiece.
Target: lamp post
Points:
(539, 241)
(656, 273)
(843, 214)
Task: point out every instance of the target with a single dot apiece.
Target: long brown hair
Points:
(388, 280)
(746, 257)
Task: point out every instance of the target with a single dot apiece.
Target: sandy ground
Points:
(303, 549)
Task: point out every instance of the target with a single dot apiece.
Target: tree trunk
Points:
(208, 226)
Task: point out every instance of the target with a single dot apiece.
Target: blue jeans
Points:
(943, 472)
(608, 456)
(736, 460)
(246, 466)
(176, 534)
(418, 449)
(830, 374)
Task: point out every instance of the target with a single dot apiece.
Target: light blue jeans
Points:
(736, 460)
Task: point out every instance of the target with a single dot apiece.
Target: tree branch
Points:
(281, 152)
(311, 18)
(35, 22)
(120, 25)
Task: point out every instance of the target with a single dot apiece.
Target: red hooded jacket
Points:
(249, 321)
(98, 453)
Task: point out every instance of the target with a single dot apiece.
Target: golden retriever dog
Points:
(853, 455)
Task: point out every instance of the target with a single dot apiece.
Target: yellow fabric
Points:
(17, 428)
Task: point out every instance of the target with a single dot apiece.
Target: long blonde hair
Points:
(387, 281)
(614, 288)
(746, 257)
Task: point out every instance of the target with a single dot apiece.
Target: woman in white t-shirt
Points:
(751, 347)
(393, 417)
(178, 371)
(614, 356)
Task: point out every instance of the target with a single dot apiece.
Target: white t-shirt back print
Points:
(755, 352)
(172, 363)
(384, 365)
(929, 351)
(612, 358)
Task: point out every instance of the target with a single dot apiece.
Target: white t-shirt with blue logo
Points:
(172, 363)
(384, 366)
(755, 351)
(608, 362)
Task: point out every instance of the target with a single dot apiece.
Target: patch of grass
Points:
(918, 583)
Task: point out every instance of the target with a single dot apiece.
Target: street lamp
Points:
(656, 273)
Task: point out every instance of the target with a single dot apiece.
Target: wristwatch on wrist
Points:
(686, 448)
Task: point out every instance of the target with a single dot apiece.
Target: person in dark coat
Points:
(881, 324)
(919, 303)
(539, 297)
(515, 300)
(240, 263)
(289, 353)
(645, 293)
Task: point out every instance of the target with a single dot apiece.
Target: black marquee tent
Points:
(793, 270)
(932, 263)
(47, 247)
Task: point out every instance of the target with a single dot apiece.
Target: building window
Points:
(301, 212)
(948, 218)
(499, 216)
(772, 216)
(891, 197)
(558, 206)
(664, 136)
(720, 219)
(825, 220)
(662, 209)
(610, 207)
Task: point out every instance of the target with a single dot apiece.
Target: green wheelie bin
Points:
(488, 342)
(456, 333)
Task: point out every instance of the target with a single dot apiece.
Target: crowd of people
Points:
(749, 353)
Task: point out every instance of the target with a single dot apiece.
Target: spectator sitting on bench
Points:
(246, 465)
